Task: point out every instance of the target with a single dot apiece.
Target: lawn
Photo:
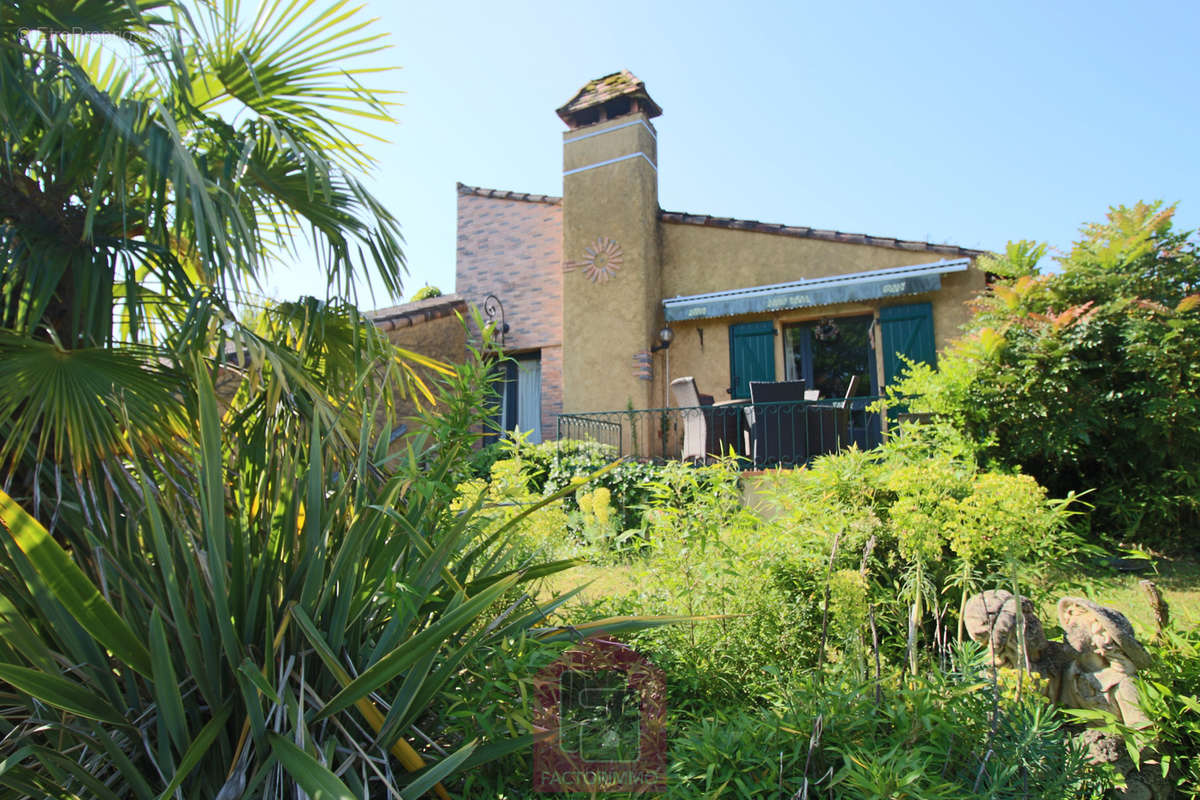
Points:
(1177, 578)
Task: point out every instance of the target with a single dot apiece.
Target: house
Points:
(606, 297)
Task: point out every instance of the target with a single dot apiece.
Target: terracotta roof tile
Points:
(814, 233)
(409, 314)
(500, 194)
(682, 217)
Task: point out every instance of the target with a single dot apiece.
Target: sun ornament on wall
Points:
(601, 260)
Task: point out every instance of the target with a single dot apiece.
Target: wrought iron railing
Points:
(759, 435)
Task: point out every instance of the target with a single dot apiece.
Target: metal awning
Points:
(870, 285)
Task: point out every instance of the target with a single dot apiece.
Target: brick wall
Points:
(510, 245)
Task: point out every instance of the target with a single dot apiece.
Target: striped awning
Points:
(857, 286)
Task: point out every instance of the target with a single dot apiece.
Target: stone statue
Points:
(1093, 668)
(990, 618)
(1107, 657)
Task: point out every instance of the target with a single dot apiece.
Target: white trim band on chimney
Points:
(612, 161)
(641, 122)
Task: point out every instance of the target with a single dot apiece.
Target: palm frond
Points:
(77, 406)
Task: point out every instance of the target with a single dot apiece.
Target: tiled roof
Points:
(409, 314)
(799, 231)
(814, 233)
(610, 87)
(500, 194)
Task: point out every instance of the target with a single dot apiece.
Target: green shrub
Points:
(550, 467)
(424, 293)
(950, 733)
(903, 534)
(1088, 378)
(947, 734)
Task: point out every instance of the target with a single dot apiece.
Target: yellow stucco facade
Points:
(699, 260)
(611, 270)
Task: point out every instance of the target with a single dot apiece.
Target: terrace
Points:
(777, 427)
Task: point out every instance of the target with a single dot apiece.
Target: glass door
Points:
(827, 353)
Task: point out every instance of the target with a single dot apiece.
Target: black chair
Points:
(828, 428)
(778, 423)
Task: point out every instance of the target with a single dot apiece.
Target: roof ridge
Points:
(807, 232)
(502, 194)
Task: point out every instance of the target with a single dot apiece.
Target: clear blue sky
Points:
(966, 123)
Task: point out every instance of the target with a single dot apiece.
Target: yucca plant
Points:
(270, 615)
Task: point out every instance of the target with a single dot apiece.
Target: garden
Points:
(223, 574)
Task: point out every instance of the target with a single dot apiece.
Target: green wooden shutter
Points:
(906, 331)
(751, 355)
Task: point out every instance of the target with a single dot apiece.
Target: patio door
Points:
(828, 353)
(751, 356)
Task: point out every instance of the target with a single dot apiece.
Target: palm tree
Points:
(153, 169)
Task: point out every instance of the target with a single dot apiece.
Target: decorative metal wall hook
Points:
(494, 310)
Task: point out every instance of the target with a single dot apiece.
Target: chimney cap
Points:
(601, 92)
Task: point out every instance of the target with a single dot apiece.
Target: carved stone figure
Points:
(990, 618)
(1107, 657)
(1094, 668)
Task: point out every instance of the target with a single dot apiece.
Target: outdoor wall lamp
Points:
(665, 337)
(495, 314)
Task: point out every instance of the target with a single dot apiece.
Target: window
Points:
(827, 353)
(519, 390)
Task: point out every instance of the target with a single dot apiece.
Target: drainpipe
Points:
(667, 379)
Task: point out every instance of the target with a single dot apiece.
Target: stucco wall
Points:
(444, 339)
(608, 321)
(699, 259)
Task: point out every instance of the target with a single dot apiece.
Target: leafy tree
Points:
(1088, 377)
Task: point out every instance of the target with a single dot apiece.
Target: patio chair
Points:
(695, 425)
(812, 395)
(777, 430)
(829, 425)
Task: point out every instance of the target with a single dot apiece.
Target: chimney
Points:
(612, 281)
